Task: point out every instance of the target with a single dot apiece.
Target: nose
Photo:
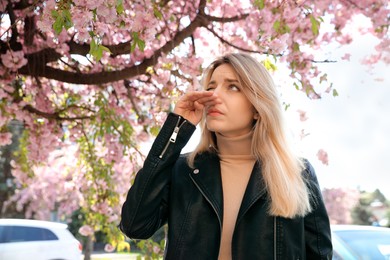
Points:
(217, 91)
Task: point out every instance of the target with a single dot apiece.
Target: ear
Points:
(256, 116)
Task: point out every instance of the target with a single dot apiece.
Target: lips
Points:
(214, 112)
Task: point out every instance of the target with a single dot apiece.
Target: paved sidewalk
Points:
(112, 256)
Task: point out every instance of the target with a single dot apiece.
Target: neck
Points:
(238, 145)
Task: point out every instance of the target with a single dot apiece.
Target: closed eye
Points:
(210, 88)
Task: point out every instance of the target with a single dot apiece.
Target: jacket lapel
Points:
(254, 191)
(207, 177)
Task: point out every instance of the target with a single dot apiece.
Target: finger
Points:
(196, 95)
(208, 99)
(198, 106)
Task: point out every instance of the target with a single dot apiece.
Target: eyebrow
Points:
(226, 80)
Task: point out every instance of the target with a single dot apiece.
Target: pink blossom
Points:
(81, 19)
(5, 139)
(279, 44)
(3, 5)
(302, 115)
(156, 249)
(113, 218)
(13, 59)
(45, 25)
(109, 248)
(83, 35)
(94, 4)
(371, 59)
(59, 177)
(143, 136)
(86, 230)
(323, 156)
(346, 56)
(3, 120)
(339, 202)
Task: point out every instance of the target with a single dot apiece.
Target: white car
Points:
(22, 239)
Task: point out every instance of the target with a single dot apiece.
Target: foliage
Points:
(351, 206)
(364, 212)
(154, 247)
(339, 202)
(91, 80)
(361, 215)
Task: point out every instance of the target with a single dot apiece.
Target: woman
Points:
(242, 193)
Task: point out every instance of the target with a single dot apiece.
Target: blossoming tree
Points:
(89, 80)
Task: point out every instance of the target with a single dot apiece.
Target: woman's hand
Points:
(191, 105)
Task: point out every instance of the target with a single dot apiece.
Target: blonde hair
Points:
(281, 167)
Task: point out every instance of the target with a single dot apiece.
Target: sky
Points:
(353, 128)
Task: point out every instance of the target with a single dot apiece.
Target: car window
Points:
(10, 234)
(367, 244)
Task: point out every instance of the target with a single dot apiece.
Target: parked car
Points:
(22, 239)
(352, 242)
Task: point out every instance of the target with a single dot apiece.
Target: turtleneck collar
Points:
(238, 145)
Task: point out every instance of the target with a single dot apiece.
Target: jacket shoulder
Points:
(308, 171)
(200, 161)
(182, 161)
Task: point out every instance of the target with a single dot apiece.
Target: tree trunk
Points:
(88, 248)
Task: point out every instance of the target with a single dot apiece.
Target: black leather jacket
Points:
(190, 200)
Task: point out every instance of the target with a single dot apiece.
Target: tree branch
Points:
(37, 66)
(238, 47)
(83, 49)
(226, 19)
(135, 106)
(55, 116)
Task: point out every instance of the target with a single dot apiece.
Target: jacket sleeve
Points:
(317, 227)
(146, 206)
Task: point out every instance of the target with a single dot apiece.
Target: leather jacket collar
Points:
(207, 177)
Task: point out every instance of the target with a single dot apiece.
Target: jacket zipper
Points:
(275, 257)
(173, 137)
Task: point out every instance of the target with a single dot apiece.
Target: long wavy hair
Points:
(281, 167)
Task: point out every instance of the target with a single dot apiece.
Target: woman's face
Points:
(235, 114)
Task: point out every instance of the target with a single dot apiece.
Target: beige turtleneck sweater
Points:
(236, 167)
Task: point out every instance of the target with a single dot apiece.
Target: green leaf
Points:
(157, 13)
(136, 41)
(67, 17)
(259, 4)
(295, 46)
(141, 44)
(335, 93)
(58, 24)
(92, 46)
(154, 130)
(315, 25)
(132, 46)
(269, 65)
(104, 48)
(276, 25)
(119, 7)
(54, 14)
(96, 50)
(62, 19)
